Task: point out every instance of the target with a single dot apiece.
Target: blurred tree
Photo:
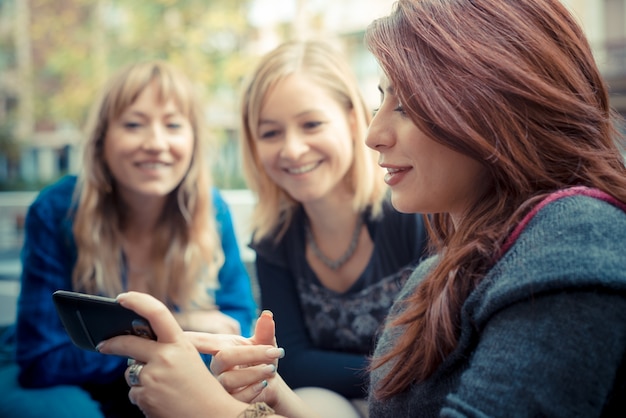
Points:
(78, 43)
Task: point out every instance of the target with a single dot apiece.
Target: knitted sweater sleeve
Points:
(556, 355)
(543, 334)
(550, 319)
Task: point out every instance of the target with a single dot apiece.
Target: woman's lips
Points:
(395, 175)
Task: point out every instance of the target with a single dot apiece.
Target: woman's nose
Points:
(293, 146)
(378, 134)
(156, 139)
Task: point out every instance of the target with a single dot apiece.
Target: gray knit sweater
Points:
(544, 333)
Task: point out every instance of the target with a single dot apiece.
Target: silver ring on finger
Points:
(133, 373)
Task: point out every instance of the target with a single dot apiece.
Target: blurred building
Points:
(31, 151)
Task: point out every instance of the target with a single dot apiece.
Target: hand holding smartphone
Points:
(90, 319)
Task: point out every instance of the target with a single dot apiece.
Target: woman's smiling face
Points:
(424, 175)
(149, 148)
(304, 139)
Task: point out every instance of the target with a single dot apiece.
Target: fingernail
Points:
(99, 346)
(276, 352)
(261, 385)
(269, 368)
(267, 313)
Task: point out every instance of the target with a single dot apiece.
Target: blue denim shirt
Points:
(44, 351)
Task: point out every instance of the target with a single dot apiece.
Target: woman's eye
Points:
(312, 125)
(132, 125)
(174, 126)
(399, 109)
(268, 134)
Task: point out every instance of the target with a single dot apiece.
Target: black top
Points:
(327, 335)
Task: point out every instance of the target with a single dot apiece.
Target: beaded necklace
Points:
(337, 263)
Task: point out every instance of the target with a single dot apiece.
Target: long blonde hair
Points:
(324, 64)
(186, 252)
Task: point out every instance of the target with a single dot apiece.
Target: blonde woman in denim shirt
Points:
(142, 215)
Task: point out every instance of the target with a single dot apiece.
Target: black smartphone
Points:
(89, 319)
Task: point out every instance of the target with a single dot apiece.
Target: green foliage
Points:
(78, 43)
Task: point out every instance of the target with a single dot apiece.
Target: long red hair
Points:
(514, 85)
